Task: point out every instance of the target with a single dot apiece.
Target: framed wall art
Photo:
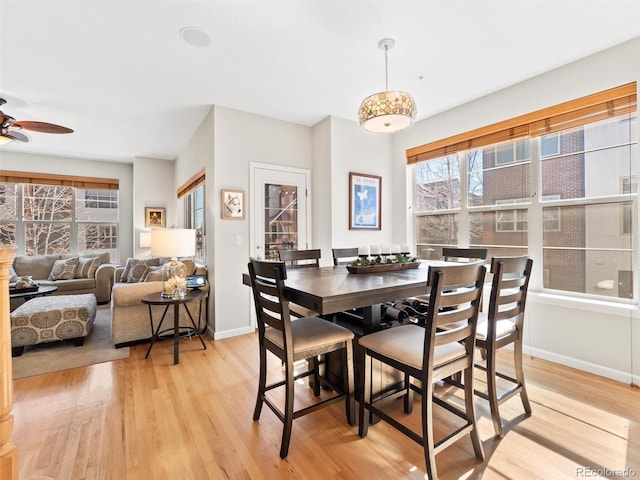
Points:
(365, 202)
(232, 202)
(155, 217)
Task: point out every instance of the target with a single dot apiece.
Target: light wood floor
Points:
(150, 419)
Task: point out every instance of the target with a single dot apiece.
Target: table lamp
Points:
(174, 243)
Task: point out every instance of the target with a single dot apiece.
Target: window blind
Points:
(7, 176)
(609, 103)
(190, 185)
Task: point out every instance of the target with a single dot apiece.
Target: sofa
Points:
(130, 317)
(72, 274)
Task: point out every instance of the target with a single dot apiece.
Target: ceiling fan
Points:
(11, 128)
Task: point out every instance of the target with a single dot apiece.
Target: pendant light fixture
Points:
(388, 111)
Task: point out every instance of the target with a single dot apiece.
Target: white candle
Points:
(375, 250)
(394, 249)
(404, 248)
(384, 250)
(363, 250)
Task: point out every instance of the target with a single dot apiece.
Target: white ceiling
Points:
(119, 74)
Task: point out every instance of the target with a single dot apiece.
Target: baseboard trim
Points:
(617, 375)
(230, 333)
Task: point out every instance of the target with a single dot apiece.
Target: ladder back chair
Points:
(300, 258)
(344, 256)
(502, 325)
(430, 354)
(454, 254)
(291, 341)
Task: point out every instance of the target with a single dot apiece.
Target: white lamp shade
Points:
(173, 242)
(145, 239)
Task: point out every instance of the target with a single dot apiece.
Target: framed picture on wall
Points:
(232, 202)
(365, 202)
(155, 217)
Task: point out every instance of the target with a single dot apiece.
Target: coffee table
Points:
(28, 295)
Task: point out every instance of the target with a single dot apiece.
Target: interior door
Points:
(279, 210)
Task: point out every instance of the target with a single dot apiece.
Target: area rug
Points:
(51, 357)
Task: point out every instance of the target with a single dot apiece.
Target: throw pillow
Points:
(87, 267)
(13, 276)
(64, 269)
(138, 267)
(152, 274)
(131, 262)
(190, 269)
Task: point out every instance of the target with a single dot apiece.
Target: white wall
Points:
(198, 154)
(242, 138)
(597, 337)
(153, 186)
(23, 162)
(322, 202)
(353, 150)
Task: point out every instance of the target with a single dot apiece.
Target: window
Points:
(511, 220)
(194, 218)
(55, 219)
(586, 185)
(629, 186)
(512, 152)
(549, 145)
(101, 199)
(192, 193)
(437, 189)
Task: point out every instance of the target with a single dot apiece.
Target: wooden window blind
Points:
(63, 180)
(609, 103)
(190, 185)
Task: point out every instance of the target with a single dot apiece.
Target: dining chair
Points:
(502, 325)
(429, 354)
(291, 341)
(300, 258)
(455, 254)
(344, 256)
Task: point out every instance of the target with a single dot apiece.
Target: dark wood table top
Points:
(328, 290)
(156, 299)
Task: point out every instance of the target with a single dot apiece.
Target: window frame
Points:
(541, 207)
(20, 223)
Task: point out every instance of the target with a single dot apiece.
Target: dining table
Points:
(334, 293)
(333, 290)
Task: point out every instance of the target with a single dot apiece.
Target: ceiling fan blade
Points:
(42, 127)
(17, 136)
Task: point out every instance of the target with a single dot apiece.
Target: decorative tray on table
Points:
(381, 267)
(32, 288)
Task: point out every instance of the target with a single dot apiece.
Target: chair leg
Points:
(408, 396)
(347, 366)
(428, 442)
(365, 388)
(288, 410)
(471, 412)
(517, 352)
(492, 390)
(262, 379)
(314, 379)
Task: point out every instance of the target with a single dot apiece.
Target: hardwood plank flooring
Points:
(149, 419)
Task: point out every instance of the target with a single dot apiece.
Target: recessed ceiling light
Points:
(195, 37)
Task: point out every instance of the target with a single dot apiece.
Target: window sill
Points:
(586, 304)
